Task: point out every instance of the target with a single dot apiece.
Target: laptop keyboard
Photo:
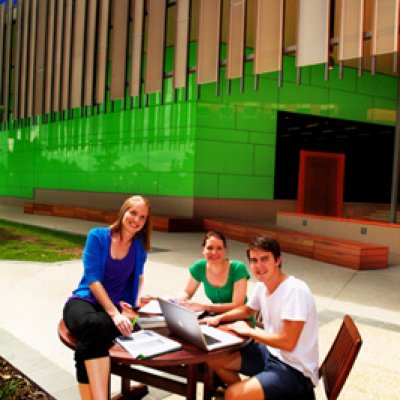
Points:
(210, 340)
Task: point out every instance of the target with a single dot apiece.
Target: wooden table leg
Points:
(129, 392)
(125, 385)
(191, 381)
(208, 379)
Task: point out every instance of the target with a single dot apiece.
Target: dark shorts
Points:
(278, 380)
(93, 329)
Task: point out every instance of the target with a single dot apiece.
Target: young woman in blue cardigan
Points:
(113, 261)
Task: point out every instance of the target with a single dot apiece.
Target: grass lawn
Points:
(28, 243)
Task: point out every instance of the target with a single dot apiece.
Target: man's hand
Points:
(241, 327)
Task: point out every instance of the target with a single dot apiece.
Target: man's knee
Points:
(231, 363)
(232, 392)
(215, 364)
(245, 389)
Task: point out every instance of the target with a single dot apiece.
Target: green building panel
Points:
(350, 106)
(347, 83)
(264, 160)
(206, 185)
(265, 138)
(243, 187)
(257, 118)
(222, 134)
(214, 115)
(220, 145)
(223, 157)
(303, 99)
(181, 184)
(377, 85)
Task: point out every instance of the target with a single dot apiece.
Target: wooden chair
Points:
(337, 365)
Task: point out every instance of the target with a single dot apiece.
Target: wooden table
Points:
(188, 362)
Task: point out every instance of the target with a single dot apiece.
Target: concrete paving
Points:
(32, 296)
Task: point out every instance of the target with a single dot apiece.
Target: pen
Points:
(135, 320)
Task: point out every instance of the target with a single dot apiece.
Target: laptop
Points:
(185, 324)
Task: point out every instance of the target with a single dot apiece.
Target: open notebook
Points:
(146, 343)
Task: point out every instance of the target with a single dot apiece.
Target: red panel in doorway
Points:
(320, 186)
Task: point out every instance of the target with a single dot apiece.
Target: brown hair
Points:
(145, 233)
(216, 234)
(265, 243)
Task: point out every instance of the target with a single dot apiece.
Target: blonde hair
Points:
(145, 233)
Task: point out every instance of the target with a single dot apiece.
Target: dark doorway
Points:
(368, 149)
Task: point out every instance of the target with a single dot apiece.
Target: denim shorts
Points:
(278, 380)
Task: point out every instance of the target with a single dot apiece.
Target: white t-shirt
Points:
(292, 300)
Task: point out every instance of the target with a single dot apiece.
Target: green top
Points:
(223, 294)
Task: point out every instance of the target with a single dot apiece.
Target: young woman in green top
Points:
(225, 281)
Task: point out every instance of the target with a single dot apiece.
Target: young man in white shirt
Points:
(282, 360)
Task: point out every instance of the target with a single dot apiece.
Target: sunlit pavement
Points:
(32, 296)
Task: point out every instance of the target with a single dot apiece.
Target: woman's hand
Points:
(146, 299)
(212, 321)
(192, 305)
(123, 324)
(241, 327)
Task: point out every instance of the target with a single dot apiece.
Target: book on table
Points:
(147, 343)
(152, 322)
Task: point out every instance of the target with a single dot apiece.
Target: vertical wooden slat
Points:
(66, 56)
(58, 46)
(268, 36)
(313, 32)
(181, 43)
(49, 58)
(77, 55)
(155, 46)
(118, 48)
(24, 59)
(135, 76)
(236, 35)
(90, 53)
(31, 58)
(102, 43)
(40, 57)
(385, 27)
(351, 30)
(208, 41)
(2, 23)
(7, 61)
(17, 60)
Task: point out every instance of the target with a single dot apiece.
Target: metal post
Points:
(396, 164)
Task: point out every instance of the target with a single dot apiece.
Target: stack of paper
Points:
(144, 343)
(152, 322)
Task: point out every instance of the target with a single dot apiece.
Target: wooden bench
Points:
(160, 222)
(347, 253)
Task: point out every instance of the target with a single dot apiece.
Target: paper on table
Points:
(147, 343)
(152, 307)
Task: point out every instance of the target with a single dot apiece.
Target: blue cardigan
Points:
(95, 255)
